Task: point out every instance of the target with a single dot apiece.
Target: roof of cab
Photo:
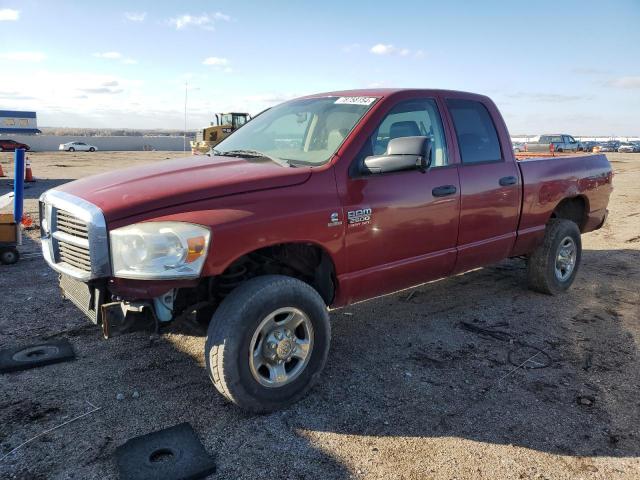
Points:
(386, 92)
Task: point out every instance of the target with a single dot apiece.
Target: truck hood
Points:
(132, 191)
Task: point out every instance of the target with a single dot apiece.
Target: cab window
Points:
(410, 118)
(476, 133)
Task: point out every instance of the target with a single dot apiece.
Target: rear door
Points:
(489, 182)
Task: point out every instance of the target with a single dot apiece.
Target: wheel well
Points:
(574, 209)
(304, 261)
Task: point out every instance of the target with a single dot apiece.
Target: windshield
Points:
(306, 131)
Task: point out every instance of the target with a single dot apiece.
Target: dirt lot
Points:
(407, 393)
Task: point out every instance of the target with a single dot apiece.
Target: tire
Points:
(9, 255)
(92, 149)
(233, 330)
(543, 274)
(71, 149)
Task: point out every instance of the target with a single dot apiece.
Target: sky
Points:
(550, 66)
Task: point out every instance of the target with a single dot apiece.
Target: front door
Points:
(402, 227)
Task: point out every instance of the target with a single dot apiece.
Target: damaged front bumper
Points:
(117, 317)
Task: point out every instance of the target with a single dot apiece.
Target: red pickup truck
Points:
(316, 203)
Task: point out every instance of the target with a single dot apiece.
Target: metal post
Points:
(18, 185)
(184, 147)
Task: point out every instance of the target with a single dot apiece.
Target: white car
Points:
(77, 146)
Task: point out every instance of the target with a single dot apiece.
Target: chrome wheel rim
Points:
(566, 259)
(281, 347)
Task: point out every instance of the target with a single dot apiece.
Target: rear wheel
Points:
(268, 342)
(9, 255)
(553, 266)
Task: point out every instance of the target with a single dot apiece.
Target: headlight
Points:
(159, 250)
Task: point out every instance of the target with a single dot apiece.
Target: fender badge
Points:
(361, 216)
(334, 220)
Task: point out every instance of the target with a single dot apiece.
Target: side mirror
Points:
(403, 153)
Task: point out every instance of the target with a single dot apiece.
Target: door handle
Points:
(444, 190)
(506, 181)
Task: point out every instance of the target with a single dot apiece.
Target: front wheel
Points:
(71, 149)
(92, 149)
(553, 266)
(267, 343)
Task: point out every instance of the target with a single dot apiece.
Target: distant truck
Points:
(317, 203)
(560, 142)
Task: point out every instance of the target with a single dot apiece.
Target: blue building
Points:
(15, 122)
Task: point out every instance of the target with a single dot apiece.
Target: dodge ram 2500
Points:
(316, 203)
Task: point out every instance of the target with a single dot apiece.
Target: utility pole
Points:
(184, 137)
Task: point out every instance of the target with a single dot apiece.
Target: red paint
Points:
(412, 237)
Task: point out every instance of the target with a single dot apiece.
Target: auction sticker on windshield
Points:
(356, 100)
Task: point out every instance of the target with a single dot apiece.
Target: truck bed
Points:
(549, 180)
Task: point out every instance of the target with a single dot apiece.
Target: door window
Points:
(408, 119)
(476, 133)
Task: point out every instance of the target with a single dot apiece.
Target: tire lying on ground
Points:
(267, 343)
(553, 266)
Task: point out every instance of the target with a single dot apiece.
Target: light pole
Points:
(184, 137)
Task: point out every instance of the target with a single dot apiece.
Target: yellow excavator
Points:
(225, 124)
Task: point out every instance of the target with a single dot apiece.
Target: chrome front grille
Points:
(67, 223)
(73, 243)
(74, 236)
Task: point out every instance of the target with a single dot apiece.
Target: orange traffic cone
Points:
(28, 174)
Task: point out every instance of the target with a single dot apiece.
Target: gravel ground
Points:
(407, 392)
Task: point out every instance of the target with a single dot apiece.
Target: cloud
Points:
(115, 56)
(216, 61)
(588, 71)
(9, 15)
(548, 97)
(23, 56)
(389, 49)
(382, 49)
(204, 21)
(109, 55)
(102, 90)
(625, 82)
(352, 47)
(135, 16)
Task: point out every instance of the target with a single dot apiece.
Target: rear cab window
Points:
(475, 131)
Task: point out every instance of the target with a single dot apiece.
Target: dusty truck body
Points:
(319, 202)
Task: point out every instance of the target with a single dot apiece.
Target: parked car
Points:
(607, 147)
(628, 148)
(77, 146)
(519, 147)
(10, 145)
(319, 202)
(587, 146)
(561, 143)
